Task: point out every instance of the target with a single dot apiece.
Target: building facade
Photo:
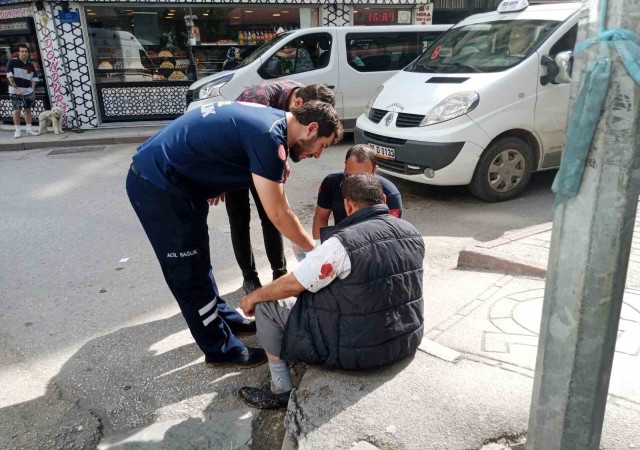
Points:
(111, 61)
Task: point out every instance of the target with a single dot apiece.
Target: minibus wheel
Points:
(503, 171)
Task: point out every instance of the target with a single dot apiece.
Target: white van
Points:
(352, 61)
(484, 106)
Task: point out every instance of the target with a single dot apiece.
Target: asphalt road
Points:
(80, 284)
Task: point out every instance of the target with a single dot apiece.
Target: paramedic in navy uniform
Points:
(198, 157)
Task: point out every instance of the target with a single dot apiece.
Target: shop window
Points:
(178, 44)
(311, 52)
(372, 52)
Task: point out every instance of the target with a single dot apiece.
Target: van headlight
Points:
(212, 89)
(372, 100)
(451, 107)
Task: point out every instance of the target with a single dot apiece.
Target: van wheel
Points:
(503, 170)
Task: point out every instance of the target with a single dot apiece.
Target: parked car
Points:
(353, 61)
(484, 106)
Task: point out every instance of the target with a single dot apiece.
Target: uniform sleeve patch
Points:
(282, 153)
(395, 212)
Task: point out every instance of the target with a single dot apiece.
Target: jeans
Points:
(239, 211)
(176, 224)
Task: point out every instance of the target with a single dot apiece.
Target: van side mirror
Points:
(564, 61)
(272, 69)
(552, 70)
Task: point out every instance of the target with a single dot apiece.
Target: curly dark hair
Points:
(363, 189)
(323, 114)
(317, 92)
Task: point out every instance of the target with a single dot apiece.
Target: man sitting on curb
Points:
(359, 302)
(360, 159)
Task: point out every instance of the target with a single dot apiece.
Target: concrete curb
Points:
(486, 260)
(18, 146)
(487, 256)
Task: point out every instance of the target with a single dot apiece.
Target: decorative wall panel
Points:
(128, 102)
(6, 109)
(64, 55)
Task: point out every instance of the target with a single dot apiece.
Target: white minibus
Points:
(484, 106)
(352, 61)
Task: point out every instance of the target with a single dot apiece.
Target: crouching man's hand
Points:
(248, 305)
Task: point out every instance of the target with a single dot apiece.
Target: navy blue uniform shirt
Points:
(216, 148)
(330, 196)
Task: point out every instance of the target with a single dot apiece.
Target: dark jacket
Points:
(375, 315)
(275, 94)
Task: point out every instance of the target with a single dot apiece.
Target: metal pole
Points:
(587, 269)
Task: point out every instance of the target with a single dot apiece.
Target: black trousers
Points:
(176, 224)
(239, 211)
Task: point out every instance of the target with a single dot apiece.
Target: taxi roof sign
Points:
(512, 5)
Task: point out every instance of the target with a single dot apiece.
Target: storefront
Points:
(145, 57)
(113, 61)
(17, 27)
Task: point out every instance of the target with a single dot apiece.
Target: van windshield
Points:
(484, 47)
(262, 49)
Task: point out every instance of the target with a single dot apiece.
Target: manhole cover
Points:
(64, 151)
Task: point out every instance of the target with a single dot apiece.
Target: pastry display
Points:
(226, 42)
(166, 65)
(159, 77)
(176, 75)
(136, 65)
(118, 65)
(117, 53)
(180, 54)
(165, 54)
(105, 65)
(201, 66)
(152, 54)
(182, 64)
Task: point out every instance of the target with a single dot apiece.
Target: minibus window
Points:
(484, 47)
(262, 49)
(381, 52)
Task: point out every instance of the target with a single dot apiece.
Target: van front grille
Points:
(385, 139)
(376, 115)
(408, 120)
(397, 166)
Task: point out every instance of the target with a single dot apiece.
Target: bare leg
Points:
(16, 117)
(27, 117)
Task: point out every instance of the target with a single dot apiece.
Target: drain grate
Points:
(65, 151)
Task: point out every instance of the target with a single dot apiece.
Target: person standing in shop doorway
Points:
(284, 95)
(22, 84)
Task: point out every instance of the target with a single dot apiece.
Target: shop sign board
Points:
(69, 17)
(14, 13)
(424, 14)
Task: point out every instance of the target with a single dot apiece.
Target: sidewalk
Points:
(526, 252)
(469, 385)
(438, 401)
(100, 136)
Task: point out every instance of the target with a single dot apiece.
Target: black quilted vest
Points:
(375, 315)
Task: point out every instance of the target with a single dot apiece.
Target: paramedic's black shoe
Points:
(247, 326)
(249, 357)
(251, 284)
(263, 398)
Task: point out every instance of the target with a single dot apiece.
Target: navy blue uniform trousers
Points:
(176, 224)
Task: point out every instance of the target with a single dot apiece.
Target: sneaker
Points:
(247, 326)
(16, 135)
(249, 357)
(251, 284)
(263, 398)
(32, 133)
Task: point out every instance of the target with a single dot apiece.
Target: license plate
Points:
(384, 152)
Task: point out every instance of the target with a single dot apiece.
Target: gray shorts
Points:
(23, 101)
(271, 320)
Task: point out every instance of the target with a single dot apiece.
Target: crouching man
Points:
(359, 302)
